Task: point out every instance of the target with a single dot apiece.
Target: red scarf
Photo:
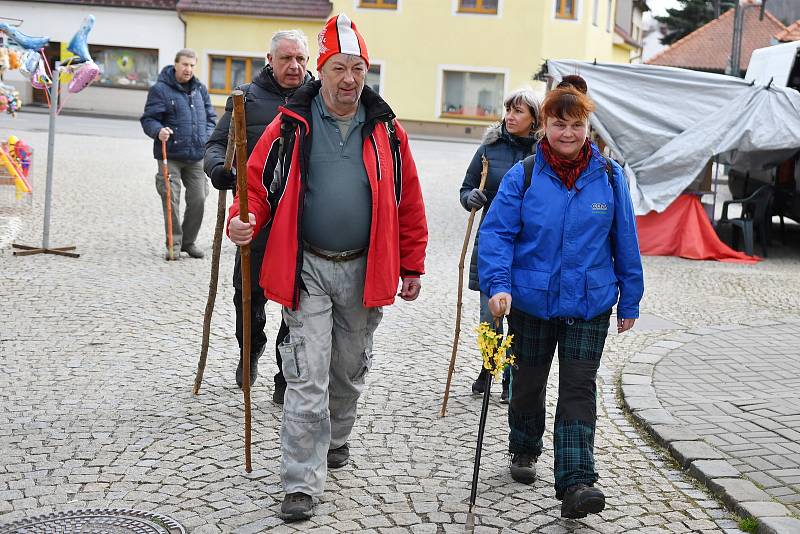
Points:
(567, 169)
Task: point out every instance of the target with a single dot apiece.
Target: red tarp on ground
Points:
(683, 229)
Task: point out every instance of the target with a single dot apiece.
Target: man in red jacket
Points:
(347, 223)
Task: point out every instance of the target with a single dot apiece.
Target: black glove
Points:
(476, 199)
(222, 179)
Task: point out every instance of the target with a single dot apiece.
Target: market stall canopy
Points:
(667, 123)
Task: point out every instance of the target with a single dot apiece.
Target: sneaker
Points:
(338, 457)
(581, 500)
(504, 394)
(193, 251)
(523, 468)
(296, 507)
(479, 386)
(280, 391)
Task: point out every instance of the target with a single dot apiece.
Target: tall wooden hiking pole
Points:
(168, 189)
(484, 171)
(240, 135)
(215, 251)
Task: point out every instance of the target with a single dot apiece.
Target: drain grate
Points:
(96, 521)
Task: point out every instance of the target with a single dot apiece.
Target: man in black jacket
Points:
(179, 112)
(285, 71)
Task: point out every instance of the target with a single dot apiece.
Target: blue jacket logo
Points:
(599, 207)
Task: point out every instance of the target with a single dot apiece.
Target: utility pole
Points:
(738, 30)
(736, 45)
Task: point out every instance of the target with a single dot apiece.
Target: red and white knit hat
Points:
(340, 36)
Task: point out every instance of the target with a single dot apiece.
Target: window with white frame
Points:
(485, 7)
(228, 72)
(373, 79)
(134, 68)
(472, 95)
(378, 4)
(608, 16)
(595, 12)
(565, 9)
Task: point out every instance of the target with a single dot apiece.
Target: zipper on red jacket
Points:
(298, 270)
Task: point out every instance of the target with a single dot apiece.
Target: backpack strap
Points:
(527, 168)
(529, 162)
(397, 162)
(610, 172)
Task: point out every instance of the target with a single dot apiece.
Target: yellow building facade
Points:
(443, 65)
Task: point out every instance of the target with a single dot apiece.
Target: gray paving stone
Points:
(687, 452)
(778, 525)
(708, 469)
(657, 416)
(761, 509)
(636, 404)
(735, 490)
(666, 434)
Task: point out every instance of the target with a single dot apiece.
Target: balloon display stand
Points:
(27, 250)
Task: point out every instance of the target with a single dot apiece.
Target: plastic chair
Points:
(756, 214)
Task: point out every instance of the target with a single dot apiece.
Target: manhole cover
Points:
(96, 521)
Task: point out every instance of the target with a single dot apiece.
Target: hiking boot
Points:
(523, 468)
(479, 386)
(193, 251)
(253, 368)
(580, 500)
(338, 457)
(280, 391)
(296, 507)
(504, 394)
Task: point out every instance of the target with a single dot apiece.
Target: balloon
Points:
(13, 59)
(83, 76)
(25, 41)
(77, 44)
(29, 62)
(39, 79)
(12, 140)
(5, 60)
(3, 103)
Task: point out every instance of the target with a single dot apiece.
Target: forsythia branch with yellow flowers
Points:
(496, 353)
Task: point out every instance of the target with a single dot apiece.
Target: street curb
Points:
(702, 461)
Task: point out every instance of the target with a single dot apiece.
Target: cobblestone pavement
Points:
(738, 389)
(722, 393)
(99, 356)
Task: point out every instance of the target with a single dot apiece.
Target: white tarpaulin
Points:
(667, 123)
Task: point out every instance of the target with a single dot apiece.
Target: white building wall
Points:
(123, 27)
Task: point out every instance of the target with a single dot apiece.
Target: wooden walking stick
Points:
(215, 251)
(484, 172)
(165, 172)
(240, 135)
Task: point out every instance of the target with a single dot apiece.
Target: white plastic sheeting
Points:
(667, 123)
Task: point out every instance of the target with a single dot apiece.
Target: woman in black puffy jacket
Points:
(503, 144)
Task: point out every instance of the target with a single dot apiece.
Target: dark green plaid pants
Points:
(580, 345)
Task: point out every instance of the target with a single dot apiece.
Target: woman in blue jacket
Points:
(557, 252)
(503, 144)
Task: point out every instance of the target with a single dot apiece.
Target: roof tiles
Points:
(142, 4)
(791, 33)
(708, 48)
(314, 9)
